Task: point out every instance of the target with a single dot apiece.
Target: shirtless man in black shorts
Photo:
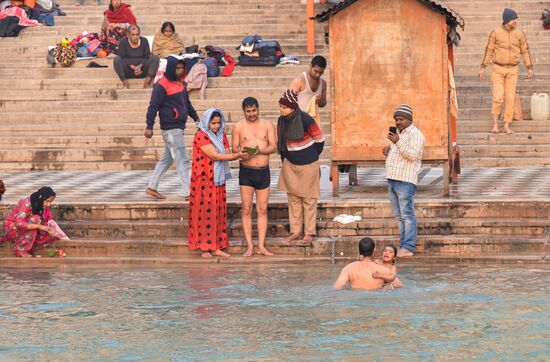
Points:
(258, 138)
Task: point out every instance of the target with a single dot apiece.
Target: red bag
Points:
(228, 69)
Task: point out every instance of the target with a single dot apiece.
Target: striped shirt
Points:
(405, 157)
(307, 149)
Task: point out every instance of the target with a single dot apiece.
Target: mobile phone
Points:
(393, 130)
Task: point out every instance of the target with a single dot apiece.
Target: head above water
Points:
(317, 67)
(388, 254)
(509, 18)
(168, 29)
(366, 246)
(251, 109)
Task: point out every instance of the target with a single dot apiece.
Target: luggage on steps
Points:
(258, 61)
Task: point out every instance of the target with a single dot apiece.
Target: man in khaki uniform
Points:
(506, 46)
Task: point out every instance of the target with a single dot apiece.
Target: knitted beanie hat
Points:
(508, 15)
(289, 99)
(405, 111)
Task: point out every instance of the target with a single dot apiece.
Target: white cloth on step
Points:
(346, 219)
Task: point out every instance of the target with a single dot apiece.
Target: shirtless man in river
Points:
(359, 274)
(254, 176)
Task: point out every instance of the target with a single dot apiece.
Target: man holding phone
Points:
(403, 162)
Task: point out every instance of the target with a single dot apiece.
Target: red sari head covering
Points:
(122, 15)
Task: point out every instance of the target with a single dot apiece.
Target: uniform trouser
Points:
(504, 81)
(302, 211)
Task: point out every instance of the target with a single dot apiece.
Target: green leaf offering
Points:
(251, 150)
(51, 252)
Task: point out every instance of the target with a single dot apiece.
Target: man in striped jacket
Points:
(300, 142)
(403, 162)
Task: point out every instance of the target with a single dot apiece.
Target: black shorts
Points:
(258, 178)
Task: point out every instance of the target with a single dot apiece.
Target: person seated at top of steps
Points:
(360, 274)
(118, 17)
(134, 59)
(167, 41)
(27, 226)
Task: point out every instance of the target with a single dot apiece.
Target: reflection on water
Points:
(272, 312)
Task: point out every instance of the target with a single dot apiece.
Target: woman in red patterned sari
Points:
(118, 17)
(26, 225)
(207, 200)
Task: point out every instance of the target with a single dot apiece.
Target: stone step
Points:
(230, 37)
(104, 166)
(518, 138)
(280, 228)
(98, 142)
(74, 72)
(471, 69)
(114, 105)
(110, 129)
(475, 58)
(68, 119)
(485, 162)
(493, 6)
(514, 150)
(321, 246)
(478, 46)
(525, 88)
(112, 83)
(272, 93)
(480, 113)
(265, 21)
(229, 40)
(35, 58)
(481, 126)
(291, 45)
(74, 155)
(428, 209)
(467, 162)
(29, 141)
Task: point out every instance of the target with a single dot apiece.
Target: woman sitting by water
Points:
(207, 201)
(27, 224)
(118, 17)
(167, 41)
(388, 260)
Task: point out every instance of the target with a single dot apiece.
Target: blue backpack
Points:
(212, 67)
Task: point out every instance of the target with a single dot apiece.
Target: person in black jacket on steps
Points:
(171, 101)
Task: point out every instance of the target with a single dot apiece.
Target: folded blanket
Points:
(21, 14)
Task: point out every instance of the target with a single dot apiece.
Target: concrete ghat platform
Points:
(490, 213)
